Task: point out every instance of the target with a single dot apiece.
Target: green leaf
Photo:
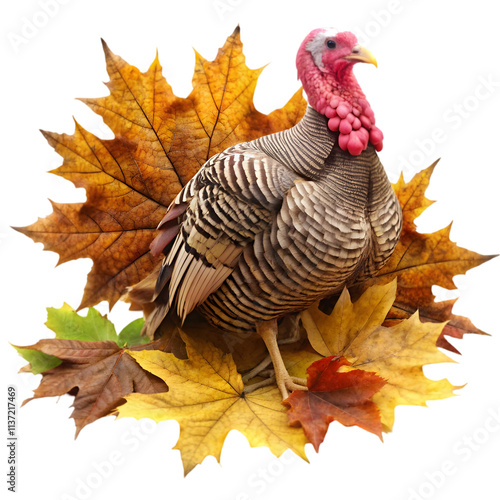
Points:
(38, 361)
(67, 324)
(131, 334)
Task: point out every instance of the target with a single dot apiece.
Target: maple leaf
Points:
(206, 397)
(423, 260)
(98, 372)
(345, 397)
(396, 353)
(161, 141)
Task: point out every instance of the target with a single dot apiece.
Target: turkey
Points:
(268, 227)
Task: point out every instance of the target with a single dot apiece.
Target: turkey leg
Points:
(268, 331)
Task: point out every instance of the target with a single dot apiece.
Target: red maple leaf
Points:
(345, 397)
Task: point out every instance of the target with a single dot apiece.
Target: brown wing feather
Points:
(220, 211)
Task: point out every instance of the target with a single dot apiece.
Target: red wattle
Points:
(342, 101)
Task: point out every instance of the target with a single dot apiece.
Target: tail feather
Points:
(162, 280)
(154, 320)
(151, 296)
(168, 227)
(141, 295)
(165, 236)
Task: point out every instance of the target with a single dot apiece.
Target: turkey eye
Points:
(331, 44)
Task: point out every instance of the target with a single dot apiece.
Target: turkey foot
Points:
(268, 331)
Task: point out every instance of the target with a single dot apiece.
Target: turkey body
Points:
(268, 227)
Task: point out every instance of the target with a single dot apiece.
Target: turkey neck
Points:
(311, 150)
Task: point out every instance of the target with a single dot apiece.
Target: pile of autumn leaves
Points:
(361, 359)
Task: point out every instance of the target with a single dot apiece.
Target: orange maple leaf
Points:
(161, 141)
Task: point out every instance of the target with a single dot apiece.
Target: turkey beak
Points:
(360, 54)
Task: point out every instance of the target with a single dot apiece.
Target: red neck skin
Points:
(338, 96)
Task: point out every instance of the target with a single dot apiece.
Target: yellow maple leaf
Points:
(206, 398)
(395, 353)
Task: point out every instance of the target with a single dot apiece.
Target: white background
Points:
(433, 60)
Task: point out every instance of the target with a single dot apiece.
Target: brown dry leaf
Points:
(397, 353)
(161, 141)
(98, 373)
(207, 400)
